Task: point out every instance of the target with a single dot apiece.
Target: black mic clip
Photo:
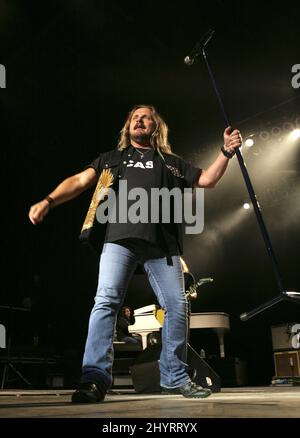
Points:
(192, 58)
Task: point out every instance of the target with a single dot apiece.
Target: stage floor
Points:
(254, 402)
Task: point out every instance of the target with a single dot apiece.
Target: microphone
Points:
(192, 57)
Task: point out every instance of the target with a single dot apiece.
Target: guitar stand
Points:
(199, 370)
(8, 366)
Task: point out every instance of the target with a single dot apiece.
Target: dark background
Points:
(74, 69)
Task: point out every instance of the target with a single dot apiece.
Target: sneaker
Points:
(88, 393)
(189, 390)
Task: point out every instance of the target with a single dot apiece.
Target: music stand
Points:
(8, 364)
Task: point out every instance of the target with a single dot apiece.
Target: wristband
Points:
(227, 153)
(50, 200)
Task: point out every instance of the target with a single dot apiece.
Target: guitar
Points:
(191, 293)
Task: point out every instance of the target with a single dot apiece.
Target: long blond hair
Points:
(159, 137)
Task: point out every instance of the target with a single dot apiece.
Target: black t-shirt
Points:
(140, 171)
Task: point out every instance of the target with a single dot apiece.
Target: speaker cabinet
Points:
(287, 363)
(282, 336)
(146, 377)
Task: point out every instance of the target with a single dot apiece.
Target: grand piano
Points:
(217, 321)
(148, 320)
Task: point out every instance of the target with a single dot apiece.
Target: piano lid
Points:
(146, 322)
(210, 320)
(145, 310)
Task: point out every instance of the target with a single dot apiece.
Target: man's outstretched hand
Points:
(38, 211)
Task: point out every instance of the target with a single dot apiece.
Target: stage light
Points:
(264, 135)
(249, 142)
(295, 134)
(246, 206)
(276, 131)
(288, 127)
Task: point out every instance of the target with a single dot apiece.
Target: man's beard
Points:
(141, 138)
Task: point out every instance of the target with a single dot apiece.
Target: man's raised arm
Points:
(210, 176)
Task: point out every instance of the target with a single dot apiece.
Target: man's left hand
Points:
(232, 140)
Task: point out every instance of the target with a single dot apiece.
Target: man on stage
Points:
(143, 159)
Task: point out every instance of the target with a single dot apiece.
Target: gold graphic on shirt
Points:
(104, 182)
(174, 171)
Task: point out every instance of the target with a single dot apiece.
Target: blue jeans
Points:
(117, 265)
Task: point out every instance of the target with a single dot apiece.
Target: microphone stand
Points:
(283, 294)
